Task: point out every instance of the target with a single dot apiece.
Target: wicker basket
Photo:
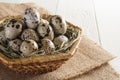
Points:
(42, 63)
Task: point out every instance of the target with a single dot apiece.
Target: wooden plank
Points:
(11, 1)
(80, 12)
(109, 22)
(48, 4)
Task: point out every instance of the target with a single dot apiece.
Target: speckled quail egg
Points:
(60, 41)
(13, 28)
(47, 46)
(29, 34)
(58, 24)
(31, 17)
(2, 37)
(27, 47)
(15, 44)
(45, 30)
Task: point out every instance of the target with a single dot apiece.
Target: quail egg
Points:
(29, 34)
(60, 41)
(47, 46)
(2, 37)
(27, 47)
(45, 30)
(15, 44)
(58, 24)
(13, 28)
(31, 17)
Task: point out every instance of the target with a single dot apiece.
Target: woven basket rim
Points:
(42, 58)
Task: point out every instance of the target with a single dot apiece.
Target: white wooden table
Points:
(98, 18)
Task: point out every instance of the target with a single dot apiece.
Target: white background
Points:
(100, 20)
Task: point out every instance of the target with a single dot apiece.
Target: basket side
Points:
(36, 67)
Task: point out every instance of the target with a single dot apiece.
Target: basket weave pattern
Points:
(34, 68)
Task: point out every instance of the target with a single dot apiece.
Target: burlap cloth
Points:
(88, 56)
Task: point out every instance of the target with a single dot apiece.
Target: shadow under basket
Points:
(43, 63)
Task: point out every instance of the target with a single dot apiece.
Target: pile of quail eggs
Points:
(32, 33)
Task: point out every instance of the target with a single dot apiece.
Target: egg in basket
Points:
(33, 43)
